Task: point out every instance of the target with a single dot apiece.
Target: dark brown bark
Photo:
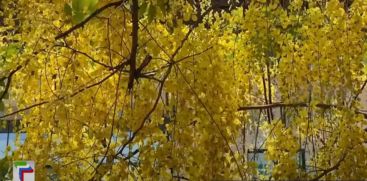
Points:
(134, 44)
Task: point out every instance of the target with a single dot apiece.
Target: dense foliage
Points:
(159, 89)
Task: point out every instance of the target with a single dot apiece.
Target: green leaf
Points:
(67, 9)
(4, 168)
(162, 7)
(77, 5)
(78, 17)
(10, 50)
(92, 5)
(152, 11)
(143, 9)
(80, 9)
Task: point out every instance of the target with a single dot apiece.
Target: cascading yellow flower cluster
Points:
(196, 64)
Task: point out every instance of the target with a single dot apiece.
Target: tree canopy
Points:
(184, 89)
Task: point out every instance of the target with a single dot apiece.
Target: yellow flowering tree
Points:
(170, 90)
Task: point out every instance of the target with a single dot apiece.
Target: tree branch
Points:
(121, 66)
(279, 104)
(8, 82)
(134, 44)
(24, 109)
(160, 90)
(131, 154)
(88, 56)
(360, 90)
(336, 166)
(172, 57)
(301, 104)
(180, 177)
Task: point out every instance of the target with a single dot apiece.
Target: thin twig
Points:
(24, 109)
(121, 66)
(360, 90)
(88, 56)
(159, 93)
(147, 115)
(213, 120)
(336, 166)
(186, 57)
(279, 104)
(8, 82)
(302, 104)
(112, 125)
